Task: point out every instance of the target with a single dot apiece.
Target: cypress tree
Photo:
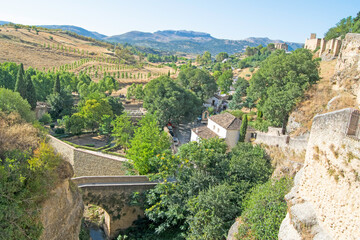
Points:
(57, 85)
(243, 128)
(30, 93)
(20, 85)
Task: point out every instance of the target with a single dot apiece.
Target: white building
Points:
(223, 125)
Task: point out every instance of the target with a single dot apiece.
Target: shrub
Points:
(52, 125)
(45, 119)
(12, 102)
(59, 131)
(263, 210)
(252, 69)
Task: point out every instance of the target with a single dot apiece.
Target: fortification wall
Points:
(282, 141)
(324, 202)
(312, 44)
(89, 163)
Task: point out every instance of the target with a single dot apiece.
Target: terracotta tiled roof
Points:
(227, 121)
(204, 132)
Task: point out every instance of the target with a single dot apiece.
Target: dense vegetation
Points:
(29, 169)
(209, 190)
(343, 27)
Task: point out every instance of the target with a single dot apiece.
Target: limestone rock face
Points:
(233, 230)
(349, 53)
(324, 202)
(62, 212)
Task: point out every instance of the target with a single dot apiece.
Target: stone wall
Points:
(89, 163)
(330, 48)
(282, 141)
(324, 203)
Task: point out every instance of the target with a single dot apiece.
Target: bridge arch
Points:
(115, 194)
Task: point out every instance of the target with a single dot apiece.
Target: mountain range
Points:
(175, 40)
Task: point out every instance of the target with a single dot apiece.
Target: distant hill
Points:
(175, 40)
(3, 22)
(191, 42)
(77, 30)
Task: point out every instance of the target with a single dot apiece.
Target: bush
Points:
(59, 131)
(260, 124)
(251, 69)
(52, 125)
(263, 210)
(247, 75)
(45, 119)
(12, 102)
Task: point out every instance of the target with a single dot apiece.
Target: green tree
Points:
(211, 213)
(221, 56)
(60, 104)
(281, 82)
(243, 128)
(147, 142)
(30, 93)
(123, 130)
(105, 126)
(116, 105)
(93, 111)
(225, 81)
(12, 102)
(170, 102)
(75, 124)
(57, 87)
(206, 58)
(241, 86)
(264, 210)
(139, 92)
(21, 85)
(200, 82)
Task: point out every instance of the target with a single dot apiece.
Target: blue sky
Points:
(229, 19)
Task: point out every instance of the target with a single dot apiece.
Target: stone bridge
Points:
(98, 176)
(119, 196)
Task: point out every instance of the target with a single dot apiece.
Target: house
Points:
(218, 102)
(223, 125)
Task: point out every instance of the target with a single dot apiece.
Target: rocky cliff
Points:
(347, 69)
(62, 212)
(324, 203)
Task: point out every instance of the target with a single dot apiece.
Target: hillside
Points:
(191, 42)
(77, 30)
(54, 50)
(175, 40)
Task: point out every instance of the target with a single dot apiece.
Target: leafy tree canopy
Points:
(148, 141)
(170, 102)
(199, 82)
(12, 102)
(281, 81)
(343, 27)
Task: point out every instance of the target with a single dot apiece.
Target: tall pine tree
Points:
(57, 85)
(20, 85)
(243, 128)
(30, 92)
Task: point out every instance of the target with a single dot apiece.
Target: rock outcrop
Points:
(324, 202)
(347, 69)
(62, 212)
